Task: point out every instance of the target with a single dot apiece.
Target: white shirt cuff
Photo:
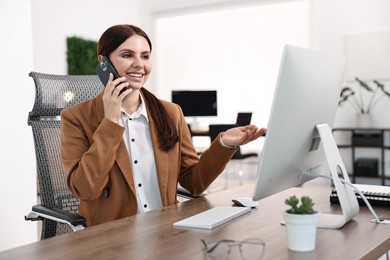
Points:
(224, 145)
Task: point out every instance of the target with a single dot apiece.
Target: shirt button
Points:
(145, 206)
(132, 139)
(139, 184)
(135, 161)
(130, 119)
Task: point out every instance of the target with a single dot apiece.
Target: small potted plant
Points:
(364, 99)
(301, 224)
(358, 102)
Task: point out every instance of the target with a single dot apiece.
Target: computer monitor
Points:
(299, 141)
(196, 102)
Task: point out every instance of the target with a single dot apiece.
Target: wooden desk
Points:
(151, 235)
(197, 132)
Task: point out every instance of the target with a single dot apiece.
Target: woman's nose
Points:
(137, 63)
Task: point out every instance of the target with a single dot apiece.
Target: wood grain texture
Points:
(152, 236)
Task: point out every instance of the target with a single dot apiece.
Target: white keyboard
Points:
(212, 218)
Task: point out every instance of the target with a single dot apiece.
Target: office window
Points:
(235, 51)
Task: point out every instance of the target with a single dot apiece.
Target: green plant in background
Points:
(357, 102)
(81, 56)
(306, 206)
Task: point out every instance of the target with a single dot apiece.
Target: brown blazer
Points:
(99, 170)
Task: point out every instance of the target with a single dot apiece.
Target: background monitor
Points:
(306, 94)
(196, 102)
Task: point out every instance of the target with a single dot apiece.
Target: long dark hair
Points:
(108, 42)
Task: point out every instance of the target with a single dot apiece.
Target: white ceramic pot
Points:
(364, 120)
(301, 231)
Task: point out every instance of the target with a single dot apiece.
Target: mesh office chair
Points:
(58, 208)
(214, 130)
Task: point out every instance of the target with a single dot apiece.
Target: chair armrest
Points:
(74, 220)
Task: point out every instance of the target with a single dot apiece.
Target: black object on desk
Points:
(376, 195)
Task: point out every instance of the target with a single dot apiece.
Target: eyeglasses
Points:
(249, 249)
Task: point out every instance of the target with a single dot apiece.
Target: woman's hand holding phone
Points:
(116, 89)
(113, 97)
(105, 69)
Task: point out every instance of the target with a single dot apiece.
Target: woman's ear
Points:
(100, 57)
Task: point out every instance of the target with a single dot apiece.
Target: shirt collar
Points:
(141, 111)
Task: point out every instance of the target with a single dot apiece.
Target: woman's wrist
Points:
(225, 145)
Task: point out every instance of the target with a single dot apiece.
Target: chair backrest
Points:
(215, 129)
(244, 118)
(52, 94)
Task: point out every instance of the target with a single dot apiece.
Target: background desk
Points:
(151, 235)
(196, 132)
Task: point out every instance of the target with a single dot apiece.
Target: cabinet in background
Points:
(360, 138)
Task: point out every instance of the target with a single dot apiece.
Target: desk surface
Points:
(199, 132)
(152, 236)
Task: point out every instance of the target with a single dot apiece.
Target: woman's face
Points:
(132, 60)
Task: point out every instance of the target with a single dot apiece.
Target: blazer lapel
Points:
(162, 160)
(122, 156)
(99, 107)
(123, 160)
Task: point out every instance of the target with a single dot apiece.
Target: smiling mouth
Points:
(136, 75)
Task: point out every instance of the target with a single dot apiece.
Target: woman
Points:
(125, 152)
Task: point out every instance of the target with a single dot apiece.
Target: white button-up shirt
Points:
(139, 145)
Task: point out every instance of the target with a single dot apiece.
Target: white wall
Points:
(333, 20)
(53, 21)
(18, 189)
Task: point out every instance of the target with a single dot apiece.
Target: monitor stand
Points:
(195, 124)
(348, 202)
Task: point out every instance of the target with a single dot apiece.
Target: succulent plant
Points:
(306, 206)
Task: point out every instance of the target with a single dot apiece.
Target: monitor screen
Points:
(196, 102)
(306, 94)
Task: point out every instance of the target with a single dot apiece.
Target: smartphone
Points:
(103, 70)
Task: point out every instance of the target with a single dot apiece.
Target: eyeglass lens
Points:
(252, 249)
(249, 249)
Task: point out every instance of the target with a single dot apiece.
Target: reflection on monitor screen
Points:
(305, 100)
